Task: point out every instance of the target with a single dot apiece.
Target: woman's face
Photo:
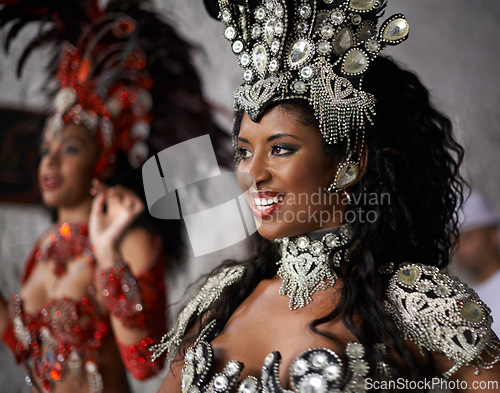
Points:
(284, 155)
(66, 166)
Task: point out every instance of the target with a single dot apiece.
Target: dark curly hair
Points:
(413, 159)
(180, 110)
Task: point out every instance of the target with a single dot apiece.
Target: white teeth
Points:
(264, 203)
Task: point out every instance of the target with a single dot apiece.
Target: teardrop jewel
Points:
(355, 62)
(396, 30)
(347, 174)
(299, 52)
(259, 57)
(343, 41)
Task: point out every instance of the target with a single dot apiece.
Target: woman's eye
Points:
(70, 149)
(280, 150)
(244, 153)
(44, 151)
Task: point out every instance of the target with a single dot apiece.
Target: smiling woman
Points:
(93, 297)
(280, 152)
(66, 168)
(330, 301)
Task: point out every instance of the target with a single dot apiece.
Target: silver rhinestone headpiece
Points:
(316, 50)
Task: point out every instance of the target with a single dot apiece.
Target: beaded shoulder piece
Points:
(315, 370)
(441, 314)
(199, 304)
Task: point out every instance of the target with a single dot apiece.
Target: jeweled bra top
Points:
(315, 370)
(62, 337)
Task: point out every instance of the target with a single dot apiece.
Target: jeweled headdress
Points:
(316, 50)
(104, 86)
(102, 80)
(122, 71)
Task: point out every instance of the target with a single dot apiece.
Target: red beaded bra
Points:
(62, 337)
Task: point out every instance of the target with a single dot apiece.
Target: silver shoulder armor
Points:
(198, 305)
(441, 314)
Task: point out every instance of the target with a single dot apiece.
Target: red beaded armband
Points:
(137, 359)
(124, 296)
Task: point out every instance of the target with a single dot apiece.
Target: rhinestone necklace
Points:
(304, 263)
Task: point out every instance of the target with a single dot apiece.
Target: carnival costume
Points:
(65, 336)
(105, 84)
(318, 51)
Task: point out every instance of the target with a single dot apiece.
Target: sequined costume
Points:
(318, 368)
(432, 309)
(66, 335)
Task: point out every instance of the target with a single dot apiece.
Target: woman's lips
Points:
(265, 203)
(50, 182)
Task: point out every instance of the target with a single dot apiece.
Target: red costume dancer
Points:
(93, 296)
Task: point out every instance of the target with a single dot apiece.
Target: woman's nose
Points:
(53, 157)
(259, 169)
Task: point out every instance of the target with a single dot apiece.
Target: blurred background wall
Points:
(453, 46)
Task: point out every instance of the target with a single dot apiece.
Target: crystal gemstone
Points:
(259, 58)
(366, 32)
(356, 62)
(230, 33)
(396, 30)
(337, 17)
(299, 86)
(343, 41)
(347, 175)
(306, 72)
(312, 384)
(249, 385)
(327, 31)
(299, 52)
(362, 5)
(408, 275)
(269, 30)
(237, 46)
(471, 311)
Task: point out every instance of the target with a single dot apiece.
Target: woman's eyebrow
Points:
(67, 138)
(282, 135)
(273, 137)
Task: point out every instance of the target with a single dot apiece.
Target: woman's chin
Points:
(288, 230)
(268, 236)
(50, 201)
(270, 232)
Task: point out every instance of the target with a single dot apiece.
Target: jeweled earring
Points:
(347, 174)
